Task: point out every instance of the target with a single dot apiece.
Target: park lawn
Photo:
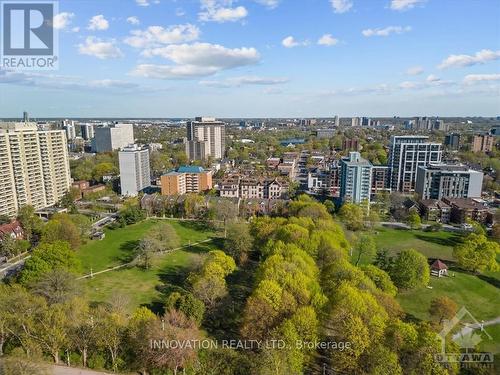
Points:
(139, 286)
(119, 244)
(431, 244)
(474, 293)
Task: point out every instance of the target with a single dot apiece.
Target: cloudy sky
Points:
(266, 58)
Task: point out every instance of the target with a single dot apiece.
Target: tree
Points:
(381, 279)
(110, 330)
(238, 242)
(186, 303)
(20, 363)
(414, 220)
(366, 247)
(330, 206)
(32, 224)
(51, 330)
(62, 228)
(383, 260)
(4, 219)
(58, 286)
(174, 326)
(224, 210)
(46, 258)
(166, 236)
(477, 254)
(193, 203)
(352, 215)
(410, 270)
(442, 307)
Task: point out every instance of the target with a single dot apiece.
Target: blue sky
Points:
(266, 58)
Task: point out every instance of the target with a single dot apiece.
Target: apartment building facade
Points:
(135, 170)
(355, 178)
(406, 154)
(452, 181)
(34, 166)
(206, 137)
(186, 179)
(110, 138)
(483, 143)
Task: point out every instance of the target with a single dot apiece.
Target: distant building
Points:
(380, 179)
(206, 137)
(406, 154)
(483, 143)
(463, 209)
(186, 179)
(34, 167)
(110, 138)
(135, 171)
(356, 121)
(452, 181)
(70, 129)
(308, 122)
(292, 142)
(87, 131)
(26, 117)
(435, 210)
(452, 141)
(350, 144)
(325, 133)
(355, 178)
(336, 121)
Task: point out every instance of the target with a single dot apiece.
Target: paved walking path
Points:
(472, 327)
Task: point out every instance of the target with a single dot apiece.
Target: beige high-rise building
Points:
(205, 137)
(34, 166)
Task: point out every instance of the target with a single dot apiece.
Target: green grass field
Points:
(136, 285)
(119, 245)
(431, 244)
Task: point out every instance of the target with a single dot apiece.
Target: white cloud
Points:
(341, 6)
(386, 31)
(404, 4)
(172, 71)
(290, 42)
(146, 3)
(414, 70)
(221, 11)
(179, 12)
(195, 60)
(244, 81)
(99, 48)
(62, 20)
(156, 36)
(133, 20)
(327, 40)
(271, 4)
(432, 78)
(98, 23)
(479, 78)
(480, 57)
(75, 29)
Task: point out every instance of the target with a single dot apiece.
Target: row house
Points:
(463, 209)
(246, 188)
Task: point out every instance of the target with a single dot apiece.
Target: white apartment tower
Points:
(109, 138)
(205, 137)
(69, 127)
(406, 155)
(135, 171)
(34, 166)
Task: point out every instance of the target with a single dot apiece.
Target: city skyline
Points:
(253, 58)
